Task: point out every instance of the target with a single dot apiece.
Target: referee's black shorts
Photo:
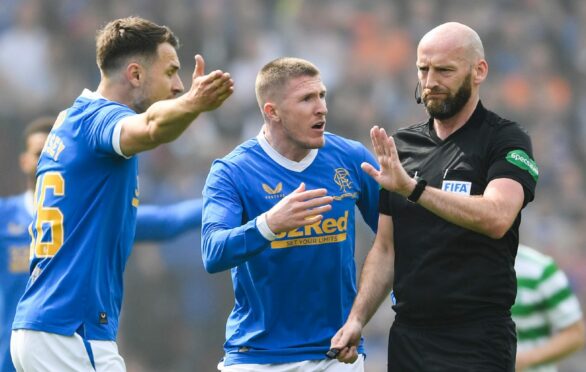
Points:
(487, 346)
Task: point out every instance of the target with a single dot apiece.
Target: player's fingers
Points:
(319, 210)
(313, 218)
(316, 202)
(224, 96)
(220, 77)
(199, 66)
(225, 78)
(314, 215)
(311, 194)
(353, 354)
(212, 81)
(225, 89)
(299, 189)
(224, 81)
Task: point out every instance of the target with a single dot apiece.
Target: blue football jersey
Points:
(15, 216)
(291, 294)
(153, 223)
(83, 224)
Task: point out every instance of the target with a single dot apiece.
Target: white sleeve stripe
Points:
(263, 227)
(116, 139)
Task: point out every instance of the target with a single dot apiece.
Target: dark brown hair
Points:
(132, 36)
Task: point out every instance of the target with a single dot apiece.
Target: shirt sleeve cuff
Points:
(116, 140)
(263, 227)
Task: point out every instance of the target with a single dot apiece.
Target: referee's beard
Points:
(453, 103)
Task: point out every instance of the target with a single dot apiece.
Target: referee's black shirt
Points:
(445, 273)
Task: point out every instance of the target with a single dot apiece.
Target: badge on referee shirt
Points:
(457, 187)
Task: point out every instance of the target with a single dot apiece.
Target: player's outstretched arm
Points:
(165, 120)
(158, 222)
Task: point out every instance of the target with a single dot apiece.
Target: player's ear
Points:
(270, 111)
(134, 74)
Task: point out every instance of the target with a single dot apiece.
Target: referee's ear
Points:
(481, 71)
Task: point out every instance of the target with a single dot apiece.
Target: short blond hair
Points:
(273, 77)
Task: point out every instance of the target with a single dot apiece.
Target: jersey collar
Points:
(475, 119)
(289, 164)
(86, 93)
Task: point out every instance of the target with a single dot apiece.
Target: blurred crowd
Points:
(174, 312)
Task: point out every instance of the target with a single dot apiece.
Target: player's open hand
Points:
(392, 176)
(301, 207)
(209, 91)
(346, 341)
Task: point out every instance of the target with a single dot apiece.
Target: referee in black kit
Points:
(450, 210)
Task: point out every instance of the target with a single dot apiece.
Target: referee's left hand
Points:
(347, 340)
(392, 176)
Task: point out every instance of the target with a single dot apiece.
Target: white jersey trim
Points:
(283, 161)
(263, 227)
(116, 140)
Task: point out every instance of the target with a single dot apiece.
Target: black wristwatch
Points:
(418, 190)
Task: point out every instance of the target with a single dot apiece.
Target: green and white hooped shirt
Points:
(544, 304)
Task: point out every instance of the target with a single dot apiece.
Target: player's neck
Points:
(114, 92)
(285, 148)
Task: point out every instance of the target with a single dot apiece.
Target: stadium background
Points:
(174, 312)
